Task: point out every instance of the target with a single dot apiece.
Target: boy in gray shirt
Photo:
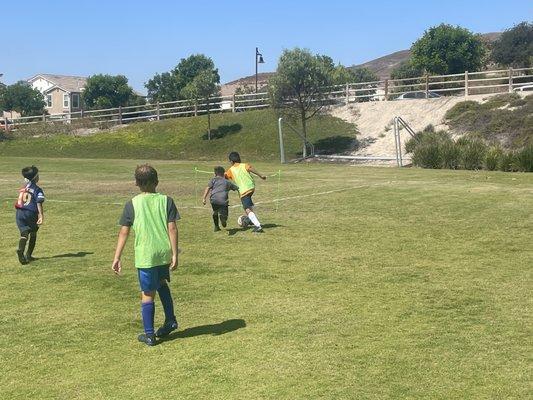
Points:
(218, 188)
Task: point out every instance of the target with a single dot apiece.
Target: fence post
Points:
(386, 89)
(81, 113)
(6, 124)
(510, 79)
(120, 115)
(466, 83)
(233, 103)
(158, 111)
(347, 93)
(44, 117)
(195, 109)
(427, 86)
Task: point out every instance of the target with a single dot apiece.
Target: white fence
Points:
(424, 87)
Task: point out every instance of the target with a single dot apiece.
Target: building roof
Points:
(65, 82)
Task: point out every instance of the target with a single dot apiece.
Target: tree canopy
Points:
(447, 49)
(170, 86)
(107, 91)
(406, 70)
(514, 48)
(21, 97)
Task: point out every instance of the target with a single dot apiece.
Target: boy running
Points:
(30, 213)
(217, 189)
(153, 217)
(240, 173)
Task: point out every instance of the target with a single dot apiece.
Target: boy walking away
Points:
(29, 213)
(217, 189)
(153, 217)
(240, 173)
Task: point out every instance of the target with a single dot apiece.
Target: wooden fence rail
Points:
(425, 87)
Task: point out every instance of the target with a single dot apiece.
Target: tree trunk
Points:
(304, 132)
(208, 121)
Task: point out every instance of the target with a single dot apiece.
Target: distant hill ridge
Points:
(382, 66)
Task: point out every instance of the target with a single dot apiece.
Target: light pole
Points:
(258, 60)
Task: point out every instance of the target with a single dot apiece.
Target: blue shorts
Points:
(27, 221)
(247, 201)
(150, 278)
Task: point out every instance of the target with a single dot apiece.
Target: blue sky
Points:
(139, 38)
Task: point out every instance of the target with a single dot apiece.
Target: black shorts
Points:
(247, 201)
(27, 221)
(221, 209)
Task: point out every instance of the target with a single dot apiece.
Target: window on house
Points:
(75, 100)
(66, 101)
(48, 100)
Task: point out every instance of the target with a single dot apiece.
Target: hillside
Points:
(253, 133)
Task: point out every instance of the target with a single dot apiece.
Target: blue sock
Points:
(166, 300)
(147, 313)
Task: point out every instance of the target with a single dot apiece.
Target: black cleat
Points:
(21, 257)
(258, 229)
(224, 222)
(147, 339)
(166, 329)
(217, 228)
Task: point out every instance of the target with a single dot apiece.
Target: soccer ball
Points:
(243, 221)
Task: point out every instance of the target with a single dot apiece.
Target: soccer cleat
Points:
(148, 339)
(217, 228)
(258, 229)
(21, 257)
(166, 329)
(224, 222)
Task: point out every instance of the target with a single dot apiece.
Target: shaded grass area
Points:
(254, 134)
(391, 284)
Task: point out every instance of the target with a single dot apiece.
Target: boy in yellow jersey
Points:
(241, 174)
(153, 217)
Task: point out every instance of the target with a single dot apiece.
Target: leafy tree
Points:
(203, 87)
(298, 85)
(406, 70)
(447, 49)
(107, 91)
(342, 75)
(168, 86)
(514, 47)
(21, 97)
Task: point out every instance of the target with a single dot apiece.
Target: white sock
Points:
(254, 219)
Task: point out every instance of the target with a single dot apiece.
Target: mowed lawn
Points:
(368, 283)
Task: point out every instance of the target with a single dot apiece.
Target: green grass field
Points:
(368, 283)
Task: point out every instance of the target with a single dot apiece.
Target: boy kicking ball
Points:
(240, 173)
(153, 217)
(29, 214)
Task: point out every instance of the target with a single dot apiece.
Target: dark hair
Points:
(145, 175)
(234, 157)
(219, 171)
(30, 172)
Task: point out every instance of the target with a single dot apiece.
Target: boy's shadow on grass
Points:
(233, 231)
(67, 255)
(214, 329)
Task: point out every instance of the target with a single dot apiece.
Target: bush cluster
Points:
(436, 149)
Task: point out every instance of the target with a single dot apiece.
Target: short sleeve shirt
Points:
(219, 190)
(128, 215)
(29, 196)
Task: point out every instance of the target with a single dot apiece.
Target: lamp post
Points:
(258, 60)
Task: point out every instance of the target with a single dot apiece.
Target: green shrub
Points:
(427, 136)
(492, 158)
(427, 155)
(461, 108)
(450, 154)
(471, 153)
(507, 162)
(500, 100)
(524, 159)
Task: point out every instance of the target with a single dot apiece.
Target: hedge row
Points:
(438, 150)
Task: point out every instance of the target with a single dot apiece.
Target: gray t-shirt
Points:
(220, 187)
(128, 215)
